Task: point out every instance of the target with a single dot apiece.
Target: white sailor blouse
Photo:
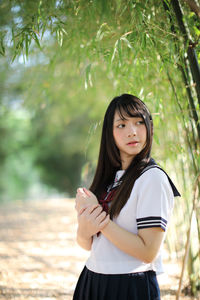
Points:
(150, 205)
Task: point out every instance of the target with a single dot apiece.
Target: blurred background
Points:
(62, 62)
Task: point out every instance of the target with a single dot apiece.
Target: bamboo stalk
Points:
(196, 191)
(193, 67)
(192, 57)
(194, 7)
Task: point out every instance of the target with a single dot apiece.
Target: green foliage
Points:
(17, 160)
(130, 42)
(78, 55)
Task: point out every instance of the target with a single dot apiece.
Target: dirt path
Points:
(39, 258)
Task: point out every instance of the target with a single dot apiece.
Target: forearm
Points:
(132, 244)
(90, 221)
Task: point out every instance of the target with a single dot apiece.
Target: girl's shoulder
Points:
(154, 177)
(153, 174)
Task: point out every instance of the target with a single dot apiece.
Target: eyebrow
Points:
(120, 120)
(124, 119)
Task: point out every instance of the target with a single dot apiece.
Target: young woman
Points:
(123, 218)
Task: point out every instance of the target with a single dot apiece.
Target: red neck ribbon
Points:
(106, 198)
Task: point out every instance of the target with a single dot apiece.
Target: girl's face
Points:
(130, 137)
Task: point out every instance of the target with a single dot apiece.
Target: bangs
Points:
(130, 110)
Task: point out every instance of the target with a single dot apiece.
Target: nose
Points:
(132, 131)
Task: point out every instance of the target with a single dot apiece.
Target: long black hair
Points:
(109, 156)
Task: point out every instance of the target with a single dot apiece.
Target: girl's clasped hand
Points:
(91, 217)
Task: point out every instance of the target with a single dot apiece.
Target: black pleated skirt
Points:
(134, 286)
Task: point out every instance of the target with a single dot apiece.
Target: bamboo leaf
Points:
(14, 56)
(13, 37)
(119, 49)
(115, 50)
(88, 77)
(123, 38)
(64, 31)
(43, 28)
(36, 39)
(61, 38)
(2, 51)
(59, 35)
(27, 45)
(144, 42)
(197, 31)
(101, 31)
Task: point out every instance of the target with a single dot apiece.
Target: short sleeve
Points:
(155, 200)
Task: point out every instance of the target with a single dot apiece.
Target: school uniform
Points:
(111, 274)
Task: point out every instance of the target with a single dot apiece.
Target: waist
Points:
(134, 274)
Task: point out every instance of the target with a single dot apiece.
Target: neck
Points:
(126, 162)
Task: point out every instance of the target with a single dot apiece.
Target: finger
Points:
(96, 212)
(80, 198)
(85, 207)
(92, 208)
(101, 217)
(81, 210)
(81, 195)
(80, 191)
(104, 222)
(87, 192)
(89, 210)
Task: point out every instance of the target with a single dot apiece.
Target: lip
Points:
(133, 143)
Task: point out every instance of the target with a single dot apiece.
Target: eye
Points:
(121, 126)
(140, 122)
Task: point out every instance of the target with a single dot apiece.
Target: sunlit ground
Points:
(39, 258)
